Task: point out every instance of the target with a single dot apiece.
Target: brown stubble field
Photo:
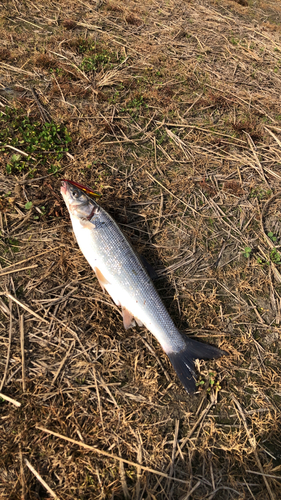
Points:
(171, 111)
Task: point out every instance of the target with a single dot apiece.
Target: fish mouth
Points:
(63, 188)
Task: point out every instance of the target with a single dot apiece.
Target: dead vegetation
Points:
(172, 112)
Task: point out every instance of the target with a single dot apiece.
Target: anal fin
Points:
(129, 320)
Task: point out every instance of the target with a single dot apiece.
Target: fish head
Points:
(77, 199)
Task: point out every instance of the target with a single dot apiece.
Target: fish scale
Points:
(122, 274)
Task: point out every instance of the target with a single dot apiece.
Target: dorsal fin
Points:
(149, 268)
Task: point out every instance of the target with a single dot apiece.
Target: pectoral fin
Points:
(102, 280)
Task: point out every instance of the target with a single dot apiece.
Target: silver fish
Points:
(122, 274)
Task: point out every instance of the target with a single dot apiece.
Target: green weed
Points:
(97, 58)
(13, 244)
(137, 102)
(260, 193)
(134, 106)
(260, 260)
(53, 169)
(272, 237)
(275, 256)
(95, 62)
(247, 252)
(57, 71)
(15, 163)
(41, 142)
(83, 45)
(212, 383)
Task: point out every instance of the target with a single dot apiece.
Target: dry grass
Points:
(173, 109)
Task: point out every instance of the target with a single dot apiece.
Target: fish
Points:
(122, 274)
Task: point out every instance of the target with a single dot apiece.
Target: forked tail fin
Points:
(183, 363)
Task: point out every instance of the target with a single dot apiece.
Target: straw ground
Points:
(171, 111)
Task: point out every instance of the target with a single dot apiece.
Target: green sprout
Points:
(247, 252)
(275, 256)
(271, 236)
(200, 383)
(212, 383)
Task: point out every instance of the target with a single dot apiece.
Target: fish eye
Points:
(75, 193)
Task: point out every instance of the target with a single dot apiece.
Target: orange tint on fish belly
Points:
(119, 296)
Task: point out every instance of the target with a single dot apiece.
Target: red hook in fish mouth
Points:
(86, 189)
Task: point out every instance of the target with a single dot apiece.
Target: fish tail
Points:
(183, 363)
